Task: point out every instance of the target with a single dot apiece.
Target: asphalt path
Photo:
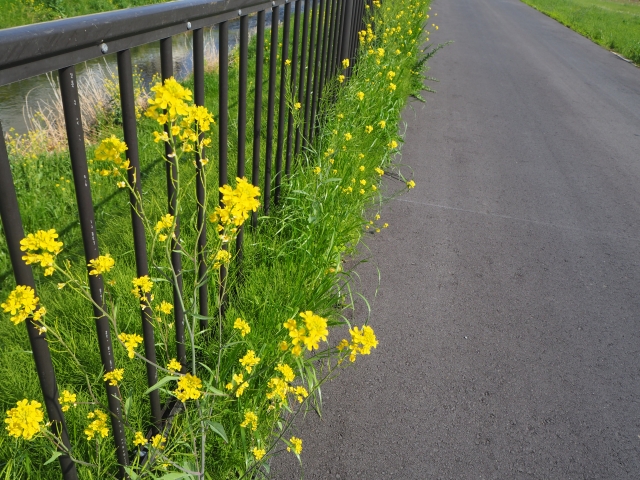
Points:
(508, 312)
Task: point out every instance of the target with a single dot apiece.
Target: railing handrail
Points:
(44, 47)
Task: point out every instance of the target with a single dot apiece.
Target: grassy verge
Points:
(293, 263)
(613, 24)
(25, 12)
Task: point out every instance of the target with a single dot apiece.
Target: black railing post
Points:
(127, 99)
(312, 59)
(242, 116)
(345, 52)
(198, 98)
(273, 66)
(257, 108)
(166, 67)
(282, 111)
(13, 231)
(294, 72)
(78, 154)
(303, 70)
(317, 86)
(223, 132)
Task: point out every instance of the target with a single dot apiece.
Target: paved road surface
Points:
(509, 310)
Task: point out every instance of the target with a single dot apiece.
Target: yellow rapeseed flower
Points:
(139, 439)
(296, 445)
(25, 420)
(141, 285)
(174, 366)
(131, 342)
(250, 420)
(243, 326)
(21, 303)
(341, 78)
(249, 360)
(411, 184)
(360, 96)
(258, 453)
(345, 63)
(97, 426)
(100, 265)
(67, 400)
(189, 388)
(114, 376)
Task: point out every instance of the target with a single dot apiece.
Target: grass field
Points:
(24, 12)
(614, 24)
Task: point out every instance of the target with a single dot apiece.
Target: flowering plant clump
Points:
(234, 366)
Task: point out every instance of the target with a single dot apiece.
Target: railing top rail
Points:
(35, 49)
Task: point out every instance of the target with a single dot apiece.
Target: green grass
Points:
(293, 262)
(613, 24)
(24, 12)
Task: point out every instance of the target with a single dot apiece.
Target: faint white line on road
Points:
(525, 220)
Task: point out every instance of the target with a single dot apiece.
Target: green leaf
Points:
(131, 473)
(53, 457)
(219, 429)
(127, 406)
(162, 382)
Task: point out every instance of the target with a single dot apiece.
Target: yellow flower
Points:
(97, 426)
(249, 360)
(287, 62)
(67, 399)
(114, 376)
(382, 123)
(348, 136)
(316, 330)
(102, 264)
(243, 326)
(174, 366)
(392, 144)
(165, 222)
(340, 78)
(165, 307)
(297, 105)
(110, 150)
(21, 303)
(141, 286)
(379, 171)
(250, 420)
(189, 388)
(360, 95)
(317, 170)
(278, 389)
(284, 346)
(411, 184)
(296, 445)
(345, 63)
(158, 441)
(41, 248)
(392, 86)
(368, 129)
(24, 420)
(286, 371)
(139, 439)
(258, 453)
(300, 393)
(131, 342)
(222, 257)
(391, 74)
(121, 184)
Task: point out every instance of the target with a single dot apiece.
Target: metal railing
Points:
(327, 35)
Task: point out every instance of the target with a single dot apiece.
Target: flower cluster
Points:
(236, 204)
(110, 150)
(141, 286)
(97, 426)
(100, 265)
(243, 326)
(280, 387)
(21, 303)
(67, 400)
(250, 420)
(41, 248)
(249, 361)
(238, 382)
(309, 335)
(131, 342)
(164, 224)
(174, 366)
(189, 388)
(362, 341)
(114, 376)
(296, 445)
(25, 420)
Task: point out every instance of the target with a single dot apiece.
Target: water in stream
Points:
(145, 58)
